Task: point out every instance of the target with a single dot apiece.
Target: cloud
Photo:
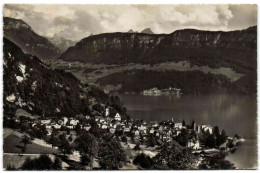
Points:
(78, 21)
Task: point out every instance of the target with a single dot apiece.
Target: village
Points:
(138, 130)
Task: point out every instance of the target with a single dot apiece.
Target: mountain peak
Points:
(11, 23)
(147, 31)
(130, 31)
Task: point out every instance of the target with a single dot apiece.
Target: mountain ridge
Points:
(22, 34)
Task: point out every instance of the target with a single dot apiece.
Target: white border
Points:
(117, 2)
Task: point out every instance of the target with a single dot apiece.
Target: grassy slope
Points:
(12, 145)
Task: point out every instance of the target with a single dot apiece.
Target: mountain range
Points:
(105, 59)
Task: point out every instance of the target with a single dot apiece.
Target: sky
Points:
(75, 22)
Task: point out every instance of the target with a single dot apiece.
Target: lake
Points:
(237, 114)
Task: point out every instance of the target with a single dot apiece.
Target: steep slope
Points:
(23, 35)
(62, 43)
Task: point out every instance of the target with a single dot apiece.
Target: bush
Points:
(42, 163)
(124, 139)
(143, 160)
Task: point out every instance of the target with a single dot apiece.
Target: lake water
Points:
(234, 113)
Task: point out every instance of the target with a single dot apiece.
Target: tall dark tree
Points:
(223, 137)
(57, 164)
(211, 141)
(183, 123)
(64, 145)
(87, 145)
(174, 157)
(143, 160)
(25, 140)
(192, 124)
(111, 155)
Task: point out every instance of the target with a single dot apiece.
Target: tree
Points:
(137, 147)
(223, 137)
(87, 145)
(64, 145)
(111, 155)
(182, 138)
(211, 141)
(42, 163)
(151, 141)
(70, 138)
(174, 157)
(25, 140)
(192, 124)
(78, 129)
(57, 164)
(124, 139)
(143, 160)
(183, 123)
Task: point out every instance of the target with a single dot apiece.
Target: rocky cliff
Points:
(23, 35)
(233, 49)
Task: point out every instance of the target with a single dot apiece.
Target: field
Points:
(16, 160)
(12, 149)
(12, 145)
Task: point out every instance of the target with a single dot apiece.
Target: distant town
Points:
(156, 91)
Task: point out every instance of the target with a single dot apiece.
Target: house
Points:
(193, 144)
(151, 130)
(69, 127)
(74, 122)
(46, 121)
(178, 125)
(57, 126)
(118, 117)
(112, 130)
(87, 127)
(207, 128)
(101, 120)
(142, 127)
(60, 122)
(137, 132)
(48, 126)
(104, 126)
(65, 120)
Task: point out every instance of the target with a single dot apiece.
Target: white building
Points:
(118, 117)
(112, 130)
(57, 126)
(207, 128)
(45, 121)
(87, 127)
(104, 126)
(137, 132)
(74, 122)
(65, 120)
(178, 125)
(107, 112)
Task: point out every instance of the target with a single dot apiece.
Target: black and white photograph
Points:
(129, 86)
